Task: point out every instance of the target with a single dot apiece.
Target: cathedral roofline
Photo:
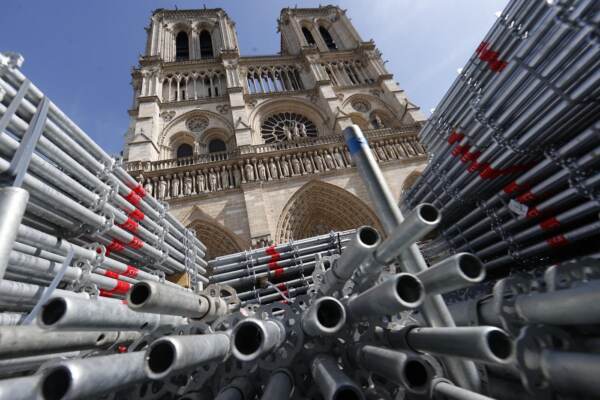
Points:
(323, 9)
(199, 11)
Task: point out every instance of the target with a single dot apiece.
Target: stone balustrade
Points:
(205, 173)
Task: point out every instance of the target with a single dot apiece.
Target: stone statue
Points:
(308, 165)
(237, 176)
(347, 154)
(338, 158)
(262, 171)
(162, 189)
(200, 182)
(249, 171)
(296, 132)
(377, 122)
(318, 162)
(187, 184)
(381, 152)
(389, 150)
(303, 130)
(225, 178)
(329, 160)
(212, 179)
(285, 168)
(287, 133)
(408, 148)
(400, 150)
(148, 188)
(296, 166)
(175, 187)
(273, 169)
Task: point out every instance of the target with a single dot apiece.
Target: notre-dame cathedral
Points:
(248, 150)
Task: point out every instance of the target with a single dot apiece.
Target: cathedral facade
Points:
(248, 150)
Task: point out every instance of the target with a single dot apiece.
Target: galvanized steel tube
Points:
(174, 353)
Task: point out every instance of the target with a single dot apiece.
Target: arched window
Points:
(287, 126)
(182, 47)
(206, 49)
(327, 38)
(184, 150)
(308, 36)
(216, 145)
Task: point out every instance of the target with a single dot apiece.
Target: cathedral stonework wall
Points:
(249, 151)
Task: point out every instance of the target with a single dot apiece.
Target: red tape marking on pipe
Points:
(129, 225)
(476, 166)
(275, 256)
(133, 198)
(526, 197)
(470, 156)
(557, 241)
(105, 293)
(549, 224)
(115, 245)
(282, 287)
(120, 288)
(455, 137)
(135, 243)
(137, 215)
(459, 150)
(278, 272)
(139, 189)
(111, 274)
(122, 348)
(273, 265)
(490, 56)
(131, 271)
(533, 212)
(515, 187)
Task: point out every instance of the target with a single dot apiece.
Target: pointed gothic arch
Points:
(206, 46)
(217, 238)
(410, 181)
(182, 46)
(319, 207)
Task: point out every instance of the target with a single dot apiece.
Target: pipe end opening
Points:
(248, 338)
(500, 344)
(56, 384)
(53, 311)
(368, 236)
(416, 374)
(429, 213)
(409, 288)
(347, 393)
(139, 294)
(471, 267)
(160, 357)
(330, 313)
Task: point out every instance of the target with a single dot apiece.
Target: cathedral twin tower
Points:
(248, 150)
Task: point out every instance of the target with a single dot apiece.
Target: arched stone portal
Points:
(318, 208)
(218, 239)
(410, 181)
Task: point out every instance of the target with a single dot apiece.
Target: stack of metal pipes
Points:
(72, 221)
(372, 321)
(515, 142)
(277, 272)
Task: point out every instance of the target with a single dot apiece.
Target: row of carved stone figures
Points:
(234, 173)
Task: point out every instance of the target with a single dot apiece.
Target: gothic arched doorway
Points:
(318, 208)
(218, 240)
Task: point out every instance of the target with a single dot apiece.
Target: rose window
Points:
(286, 127)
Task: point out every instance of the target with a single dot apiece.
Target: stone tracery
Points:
(287, 126)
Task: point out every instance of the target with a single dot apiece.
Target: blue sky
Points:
(80, 53)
